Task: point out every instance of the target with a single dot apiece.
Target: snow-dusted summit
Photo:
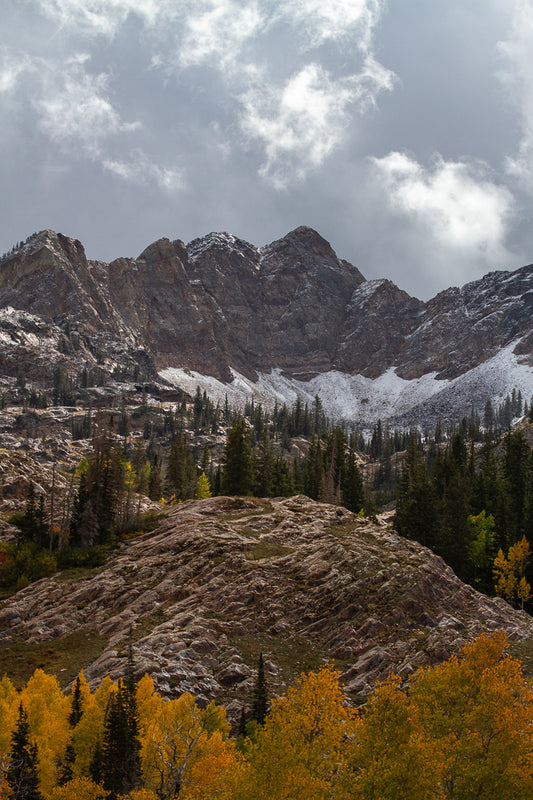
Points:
(289, 318)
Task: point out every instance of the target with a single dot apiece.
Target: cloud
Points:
(292, 109)
(516, 76)
(75, 108)
(300, 124)
(96, 17)
(13, 68)
(140, 169)
(335, 20)
(216, 32)
(455, 202)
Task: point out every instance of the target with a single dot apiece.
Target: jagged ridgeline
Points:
(287, 319)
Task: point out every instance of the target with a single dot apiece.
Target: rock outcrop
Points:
(223, 579)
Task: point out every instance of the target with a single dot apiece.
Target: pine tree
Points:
(260, 702)
(181, 472)
(21, 774)
(66, 767)
(238, 472)
(96, 767)
(242, 724)
(353, 493)
(115, 745)
(416, 513)
(76, 710)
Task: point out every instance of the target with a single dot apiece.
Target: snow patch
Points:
(363, 401)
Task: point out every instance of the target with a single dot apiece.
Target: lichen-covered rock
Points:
(224, 579)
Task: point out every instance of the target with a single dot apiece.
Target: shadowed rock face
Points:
(221, 303)
(225, 578)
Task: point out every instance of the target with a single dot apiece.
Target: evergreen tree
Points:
(454, 490)
(238, 471)
(96, 767)
(21, 774)
(76, 710)
(313, 468)
(416, 510)
(516, 471)
(353, 494)
(242, 731)
(264, 466)
(260, 702)
(181, 472)
(66, 767)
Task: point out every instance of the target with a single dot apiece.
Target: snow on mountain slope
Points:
(362, 400)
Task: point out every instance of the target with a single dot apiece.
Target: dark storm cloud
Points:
(401, 133)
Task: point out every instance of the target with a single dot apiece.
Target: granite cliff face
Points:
(226, 578)
(292, 310)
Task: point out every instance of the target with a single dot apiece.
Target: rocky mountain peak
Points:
(306, 251)
(221, 242)
(221, 305)
(163, 249)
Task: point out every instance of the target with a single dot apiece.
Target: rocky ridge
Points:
(220, 308)
(224, 578)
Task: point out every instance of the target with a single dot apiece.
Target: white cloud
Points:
(456, 203)
(75, 108)
(300, 124)
(335, 20)
(296, 110)
(217, 30)
(100, 17)
(12, 69)
(516, 76)
(141, 170)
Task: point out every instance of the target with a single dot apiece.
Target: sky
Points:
(401, 131)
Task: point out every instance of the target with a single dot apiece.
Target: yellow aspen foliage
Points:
(47, 709)
(179, 734)
(214, 772)
(300, 752)
(89, 729)
(139, 794)
(509, 573)
(85, 735)
(148, 702)
(9, 703)
(85, 691)
(77, 789)
(101, 695)
(477, 711)
(388, 754)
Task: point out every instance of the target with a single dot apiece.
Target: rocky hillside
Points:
(222, 579)
(275, 321)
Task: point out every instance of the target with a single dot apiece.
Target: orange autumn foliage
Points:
(461, 732)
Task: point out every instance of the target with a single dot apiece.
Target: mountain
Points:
(287, 319)
(223, 579)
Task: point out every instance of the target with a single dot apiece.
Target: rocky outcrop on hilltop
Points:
(220, 305)
(226, 578)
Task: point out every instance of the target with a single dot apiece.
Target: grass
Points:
(292, 654)
(143, 628)
(62, 657)
(265, 549)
